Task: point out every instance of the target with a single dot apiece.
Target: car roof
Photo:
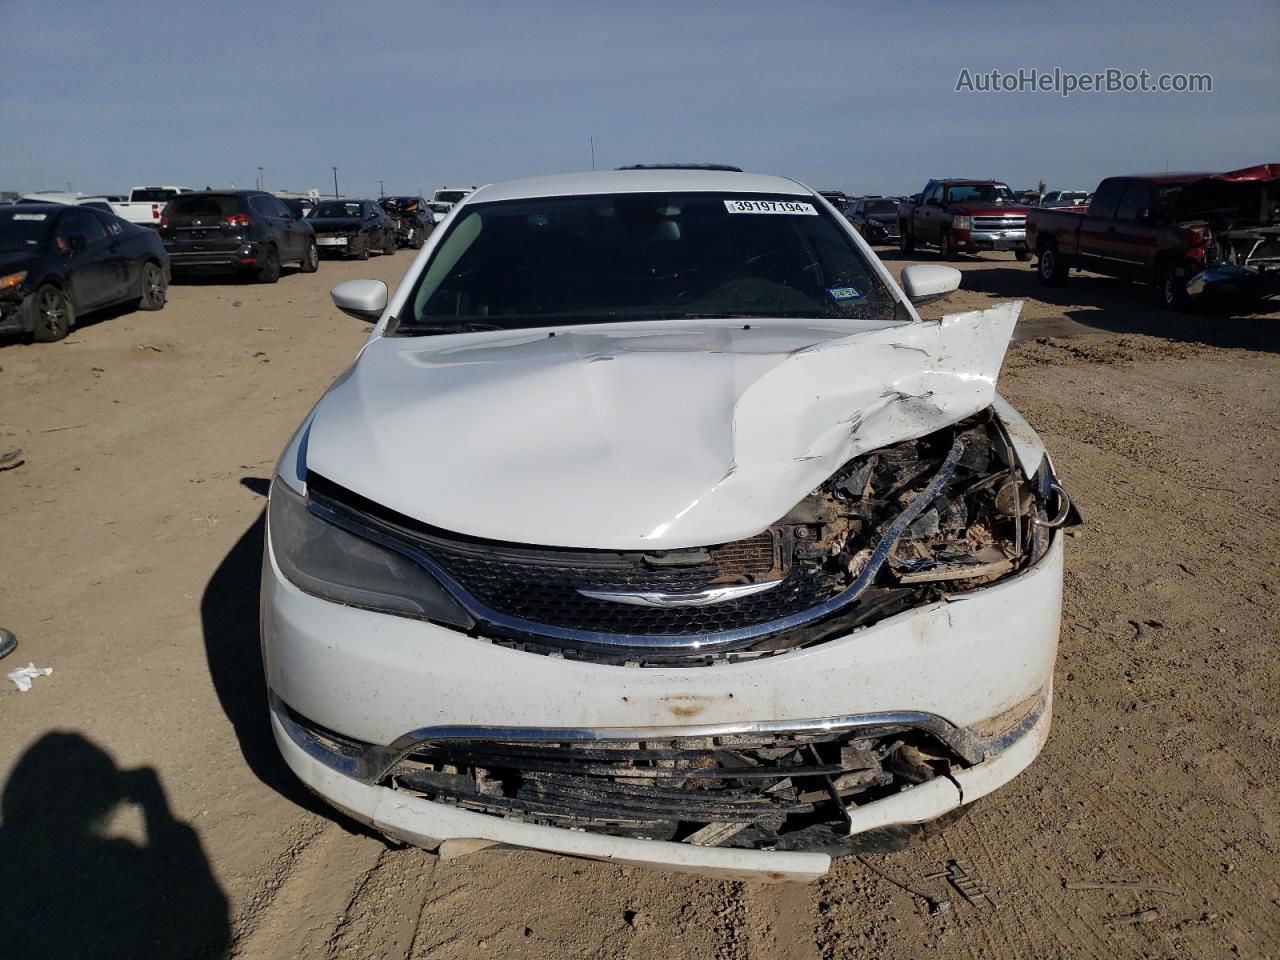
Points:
(1182, 176)
(37, 207)
(637, 181)
(970, 183)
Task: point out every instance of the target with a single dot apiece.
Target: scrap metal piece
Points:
(935, 905)
(960, 876)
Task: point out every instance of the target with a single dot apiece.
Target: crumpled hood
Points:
(640, 438)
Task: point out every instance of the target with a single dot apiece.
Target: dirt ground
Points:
(145, 811)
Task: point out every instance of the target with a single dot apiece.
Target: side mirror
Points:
(933, 202)
(923, 282)
(364, 299)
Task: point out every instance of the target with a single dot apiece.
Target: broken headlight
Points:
(329, 562)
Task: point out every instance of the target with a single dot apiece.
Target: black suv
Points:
(412, 217)
(245, 231)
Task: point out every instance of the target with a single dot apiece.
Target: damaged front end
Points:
(912, 524)
(1235, 222)
(895, 529)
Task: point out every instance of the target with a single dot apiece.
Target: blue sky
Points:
(106, 95)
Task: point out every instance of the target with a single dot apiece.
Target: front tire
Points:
(1172, 286)
(946, 246)
(364, 247)
(269, 269)
(906, 242)
(53, 315)
(311, 259)
(154, 288)
(1022, 254)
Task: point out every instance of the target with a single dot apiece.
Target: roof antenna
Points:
(592, 141)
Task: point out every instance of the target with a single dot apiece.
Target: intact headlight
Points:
(328, 562)
(959, 222)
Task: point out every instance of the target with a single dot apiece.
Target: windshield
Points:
(440, 207)
(450, 196)
(152, 195)
(882, 206)
(22, 231)
(336, 208)
(646, 256)
(980, 193)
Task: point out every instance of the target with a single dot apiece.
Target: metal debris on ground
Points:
(1139, 885)
(935, 905)
(10, 459)
(1142, 916)
(960, 876)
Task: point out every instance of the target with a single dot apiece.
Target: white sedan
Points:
(652, 524)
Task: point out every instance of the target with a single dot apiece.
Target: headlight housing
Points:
(333, 564)
(961, 222)
(11, 280)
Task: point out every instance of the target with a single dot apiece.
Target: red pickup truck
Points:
(1188, 234)
(964, 216)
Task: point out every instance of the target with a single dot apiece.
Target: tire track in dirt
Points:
(312, 896)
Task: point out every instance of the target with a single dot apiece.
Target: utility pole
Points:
(335, 184)
(381, 191)
(260, 178)
(592, 141)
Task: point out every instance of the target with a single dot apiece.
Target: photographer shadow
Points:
(72, 887)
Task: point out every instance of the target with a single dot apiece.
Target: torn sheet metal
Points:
(638, 437)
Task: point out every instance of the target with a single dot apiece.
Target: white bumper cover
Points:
(427, 824)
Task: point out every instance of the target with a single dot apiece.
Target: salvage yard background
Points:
(146, 812)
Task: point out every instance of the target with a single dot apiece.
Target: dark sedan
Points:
(352, 228)
(413, 219)
(876, 218)
(58, 263)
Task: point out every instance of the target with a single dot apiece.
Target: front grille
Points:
(670, 788)
(542, 586)
(999, 223)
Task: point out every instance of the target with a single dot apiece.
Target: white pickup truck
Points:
(145, 204)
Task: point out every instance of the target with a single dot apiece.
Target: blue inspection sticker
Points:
(844, 293)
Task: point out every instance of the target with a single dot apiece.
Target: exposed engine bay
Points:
(1238, 222)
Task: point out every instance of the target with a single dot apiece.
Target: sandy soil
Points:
(145, 812)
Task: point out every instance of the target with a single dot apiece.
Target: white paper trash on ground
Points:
(24, 675)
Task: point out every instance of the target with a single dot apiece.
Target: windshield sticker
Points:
(844, 293)
(770, 206)
(30, 216)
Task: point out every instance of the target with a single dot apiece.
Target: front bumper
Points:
(439, 826)
(337, 244)
(388, 681)
(13, 319)
(1230, 281)
(990, 240)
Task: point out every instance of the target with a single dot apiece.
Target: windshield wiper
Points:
(436, 329)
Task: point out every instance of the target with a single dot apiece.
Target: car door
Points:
(1137, 225)
(277, 226)
(1097, 227)
(293, 227)
(92, 268)
(932, 213)
(123, 252)
(377, 221)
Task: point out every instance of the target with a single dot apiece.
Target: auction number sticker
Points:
(771, 206)
(30, 216)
